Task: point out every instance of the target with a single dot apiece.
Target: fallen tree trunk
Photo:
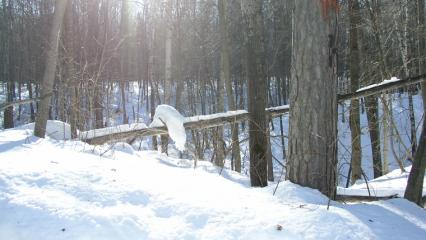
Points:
(382, 87)
(191, 123)
(355, 198)
(20, 102)
(220, 119)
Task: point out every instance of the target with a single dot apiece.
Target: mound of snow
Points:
(393, 183)
(123, 147)
(165, 114)
(288, 191)
(54, 129)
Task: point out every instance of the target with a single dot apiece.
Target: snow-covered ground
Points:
(53, 189)
(391, 184)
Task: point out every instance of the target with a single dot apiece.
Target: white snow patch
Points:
(288, 191)
(386, 81)
(278, 108)
(391, 184)
(168, 115)
(215, 115)
(54, 129)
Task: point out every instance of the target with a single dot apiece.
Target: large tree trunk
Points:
(354, 63)
(49, 73)
(313, 114)
(253, 18)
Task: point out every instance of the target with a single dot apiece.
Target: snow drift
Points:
(168, 115)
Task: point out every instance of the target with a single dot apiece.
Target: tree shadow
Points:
(391, 219)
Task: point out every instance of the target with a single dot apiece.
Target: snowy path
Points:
(66, 190)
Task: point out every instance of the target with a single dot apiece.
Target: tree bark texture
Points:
(253, 18)
(354, 70)
(313, 115)
(49, 73)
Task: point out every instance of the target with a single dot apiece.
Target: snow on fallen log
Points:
(386, 85)
(101, 136)
(215, 120)
(111, 130)
(279, 110)
(169, 116)
(386, 81)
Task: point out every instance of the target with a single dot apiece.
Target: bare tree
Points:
(253, 19)
(354, 64)
(49, 73)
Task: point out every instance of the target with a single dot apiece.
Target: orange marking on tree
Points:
(327, 6)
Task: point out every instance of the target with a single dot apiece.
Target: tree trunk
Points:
(313, 115)
(168, 68)
(70, 73)
(354, 70)
(371, 102)
(7, 48)
(414, 189)
(49, 73)
(253, 18)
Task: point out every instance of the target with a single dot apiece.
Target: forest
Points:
(325, 94)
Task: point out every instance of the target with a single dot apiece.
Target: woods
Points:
(104, 63)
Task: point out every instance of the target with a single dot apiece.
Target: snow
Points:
(54, 129)
(278, 108)
(66, 190)
(215, 115)
(111, 130)
(391, 184)
(384, 82)
(165, 114)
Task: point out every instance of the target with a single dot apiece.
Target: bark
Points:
(414, 189)
(94, 63)
(313, 114)
(373, 126)
(70, 73)
(168, 55)
(124, 61)
(168, 68)
(7, 41)
(354, 70)
(224, 82)
(253, 19)
(49, 73)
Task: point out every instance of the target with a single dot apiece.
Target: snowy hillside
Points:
(70, 190)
